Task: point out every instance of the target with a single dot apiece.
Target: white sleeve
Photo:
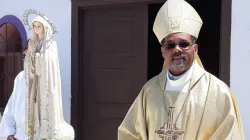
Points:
(8, 124)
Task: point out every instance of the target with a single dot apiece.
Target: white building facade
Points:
(240, 59)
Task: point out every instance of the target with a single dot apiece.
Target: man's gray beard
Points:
(181, 65)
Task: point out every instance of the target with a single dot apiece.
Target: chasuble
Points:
(207, 111)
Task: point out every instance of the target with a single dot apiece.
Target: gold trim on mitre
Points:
(176, 16)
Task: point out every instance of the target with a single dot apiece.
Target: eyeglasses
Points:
(183, 45)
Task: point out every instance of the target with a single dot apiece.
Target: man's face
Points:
(38, 28)
(178, 51)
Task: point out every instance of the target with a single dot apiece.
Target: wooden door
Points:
(114, 67)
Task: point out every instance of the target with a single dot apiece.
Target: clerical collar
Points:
(179, 80)
(172, 77)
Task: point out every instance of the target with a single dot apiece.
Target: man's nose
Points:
(177, 49)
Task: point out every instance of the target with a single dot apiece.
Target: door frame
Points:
(76, 63)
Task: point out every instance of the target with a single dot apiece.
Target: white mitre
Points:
(177, 16)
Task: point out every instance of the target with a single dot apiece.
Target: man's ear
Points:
(163, 52)
(196, 48)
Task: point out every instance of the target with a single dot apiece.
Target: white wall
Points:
(59, 12)
(240, 59)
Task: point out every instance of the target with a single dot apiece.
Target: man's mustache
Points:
(182, 56)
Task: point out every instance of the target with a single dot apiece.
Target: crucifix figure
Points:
(169, 130)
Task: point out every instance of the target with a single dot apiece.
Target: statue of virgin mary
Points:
(44, 112)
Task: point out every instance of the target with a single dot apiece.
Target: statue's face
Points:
(38, 28)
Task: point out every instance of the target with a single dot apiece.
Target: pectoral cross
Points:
(169, 130)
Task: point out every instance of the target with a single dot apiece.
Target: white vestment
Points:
(13, 121)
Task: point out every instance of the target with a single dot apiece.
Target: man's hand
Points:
(11, 138)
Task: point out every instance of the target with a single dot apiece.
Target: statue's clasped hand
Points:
(32, 46)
